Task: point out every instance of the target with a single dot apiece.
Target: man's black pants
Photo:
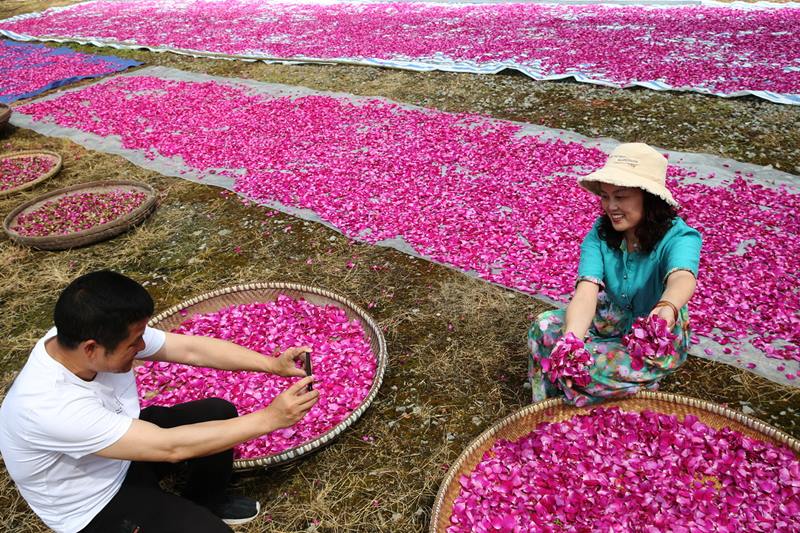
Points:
(141, 506)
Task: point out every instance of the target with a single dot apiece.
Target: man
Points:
(83, 455)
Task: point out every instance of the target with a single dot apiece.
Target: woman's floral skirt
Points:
(611, 372)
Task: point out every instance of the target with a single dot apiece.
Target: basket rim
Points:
(35, 241)
(679, 399)
(47, 175)
(312, 445)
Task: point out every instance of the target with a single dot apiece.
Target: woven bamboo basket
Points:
(92, 235)
(53, 156)
(525, 420)
(267, 292)
(5, 115)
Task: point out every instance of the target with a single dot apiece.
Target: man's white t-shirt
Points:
(51, 424)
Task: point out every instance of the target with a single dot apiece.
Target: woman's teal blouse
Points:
(635, 281)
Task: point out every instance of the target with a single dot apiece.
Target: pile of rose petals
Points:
(460, 189)
(28, 69)
(649, 338)
(77, 212)
(17, 171)
(344, 367)
(612, 470)
(717, 49)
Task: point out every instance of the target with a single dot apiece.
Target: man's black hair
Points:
(100, 306)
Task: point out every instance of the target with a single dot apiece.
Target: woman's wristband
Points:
(667, 303)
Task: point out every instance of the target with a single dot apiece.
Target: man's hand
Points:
(292, 404)
(284, 363)
(145, 441)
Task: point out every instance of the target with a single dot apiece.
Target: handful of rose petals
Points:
(650, 338)
(569, 359)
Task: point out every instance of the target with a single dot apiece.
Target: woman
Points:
(639, 258)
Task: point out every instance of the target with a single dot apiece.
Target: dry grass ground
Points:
(456, 345)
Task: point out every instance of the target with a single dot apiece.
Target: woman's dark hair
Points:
(100, 306)
(656, 220)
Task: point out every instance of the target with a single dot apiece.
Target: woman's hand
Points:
(680, 288)
(665, 312)
(284, 364)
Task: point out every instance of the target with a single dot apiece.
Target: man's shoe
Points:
(235, 510)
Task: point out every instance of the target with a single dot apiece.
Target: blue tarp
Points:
(17, 58)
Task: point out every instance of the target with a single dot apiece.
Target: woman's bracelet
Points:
(667, 303)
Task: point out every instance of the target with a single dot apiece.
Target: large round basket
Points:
(54, 157)
(267, 292)
(5, 115)
(92, 235)
(524, 421)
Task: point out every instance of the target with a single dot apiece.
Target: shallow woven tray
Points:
(92, 235)
(53, 156)
(5, 114)
(267, 292)
(524, 421)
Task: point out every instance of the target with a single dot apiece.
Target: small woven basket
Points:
(525, 420)
(47, 154)
(5, 115)
(267, 292)
(92, 235)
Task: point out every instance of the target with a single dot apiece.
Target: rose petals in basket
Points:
(629, 471)
(22, 170)
(77, 212)
(344, 367)
(80, 215)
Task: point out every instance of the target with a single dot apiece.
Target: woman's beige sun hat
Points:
(632, 165)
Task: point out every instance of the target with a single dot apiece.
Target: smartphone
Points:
(310, 386)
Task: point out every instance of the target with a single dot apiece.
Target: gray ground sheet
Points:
(441, 63)
(702, 164)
